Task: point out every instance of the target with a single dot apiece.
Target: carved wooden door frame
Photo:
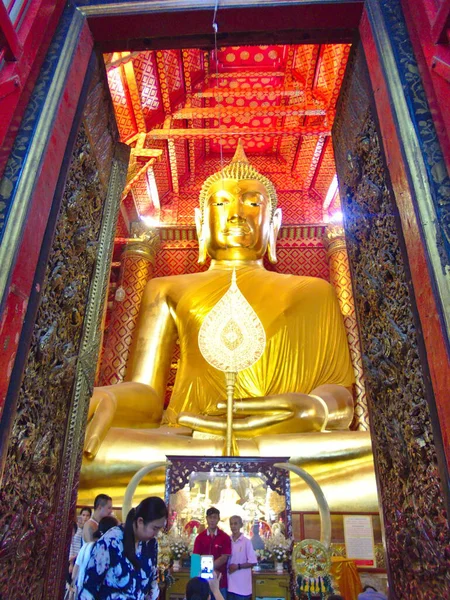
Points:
(406, 435)
(381, 24)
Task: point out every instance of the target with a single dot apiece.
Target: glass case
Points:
(252, 488)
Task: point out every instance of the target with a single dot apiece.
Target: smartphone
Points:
(206, 566)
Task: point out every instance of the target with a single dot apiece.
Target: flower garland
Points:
(164, 559)
(314, 585)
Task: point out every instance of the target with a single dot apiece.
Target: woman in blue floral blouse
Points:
(123, 562)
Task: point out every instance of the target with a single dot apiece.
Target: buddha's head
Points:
(238, 218)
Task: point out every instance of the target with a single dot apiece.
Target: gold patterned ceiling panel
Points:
(182, 109)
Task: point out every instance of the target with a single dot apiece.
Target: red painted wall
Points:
(428, 23)
(17, 78)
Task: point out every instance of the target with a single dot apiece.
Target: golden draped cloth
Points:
(306, 339)
(346, 577)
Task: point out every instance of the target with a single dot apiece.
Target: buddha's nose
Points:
(236, 210)
(236, 218)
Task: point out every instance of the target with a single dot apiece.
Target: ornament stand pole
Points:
(230, 379)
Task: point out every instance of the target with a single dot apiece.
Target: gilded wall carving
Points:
(416, 527)
(37, 500)
(30, 485)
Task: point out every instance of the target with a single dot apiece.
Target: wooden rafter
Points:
(241, 111)
(134, 93)
(188, 88)
(164, 86)
(137, 176)
(149, 152)
(173, 164)
(212, 133)
(123, 58)
(246, 74)
(206, 101)
(312, 173)
(288, 73)
(257, 94)
(186, 75)
(284, 100)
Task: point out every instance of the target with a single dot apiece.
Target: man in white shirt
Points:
(102, 508)
(242, 559)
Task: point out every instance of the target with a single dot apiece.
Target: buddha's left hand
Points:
(327, 406)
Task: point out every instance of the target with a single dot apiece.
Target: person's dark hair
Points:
(87, 509)
(369, 587)
(212, 510)
(197, 589)
(105, 525)
(101, 500)
(150, 509)
(74, 528)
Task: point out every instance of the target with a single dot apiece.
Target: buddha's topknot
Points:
(239, 168)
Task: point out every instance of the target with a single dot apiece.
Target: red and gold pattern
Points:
(279, 98)
(340, 277)
(136, 270)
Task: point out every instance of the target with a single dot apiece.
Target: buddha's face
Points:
(236, 220)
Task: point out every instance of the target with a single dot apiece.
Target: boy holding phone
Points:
(216, 542)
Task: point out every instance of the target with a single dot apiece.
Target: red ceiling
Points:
(179, 109)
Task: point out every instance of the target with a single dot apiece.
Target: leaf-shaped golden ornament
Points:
(232, 338)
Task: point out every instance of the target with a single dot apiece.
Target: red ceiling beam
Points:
(148, 25)
(217, 132)
(245, 111)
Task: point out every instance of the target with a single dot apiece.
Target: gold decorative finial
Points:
(239, 155)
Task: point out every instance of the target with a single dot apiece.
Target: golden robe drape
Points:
(306, 340)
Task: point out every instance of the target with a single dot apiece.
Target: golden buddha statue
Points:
(300, 384)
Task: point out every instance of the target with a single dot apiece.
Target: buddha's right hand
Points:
(131, 405)
(102, 409)
(247, 426)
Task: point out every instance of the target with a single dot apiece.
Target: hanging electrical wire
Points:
(218, 82)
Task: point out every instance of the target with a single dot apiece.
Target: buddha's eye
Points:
(219, 199)
(253, 199)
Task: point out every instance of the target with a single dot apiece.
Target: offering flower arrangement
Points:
(179, 546)
(263, 555)
(179, 549)
(279, 547)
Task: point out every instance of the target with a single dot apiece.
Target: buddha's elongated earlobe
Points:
(201, 242)
(275, 225)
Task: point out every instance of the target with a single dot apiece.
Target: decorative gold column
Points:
(340, 277)
(137, 263)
